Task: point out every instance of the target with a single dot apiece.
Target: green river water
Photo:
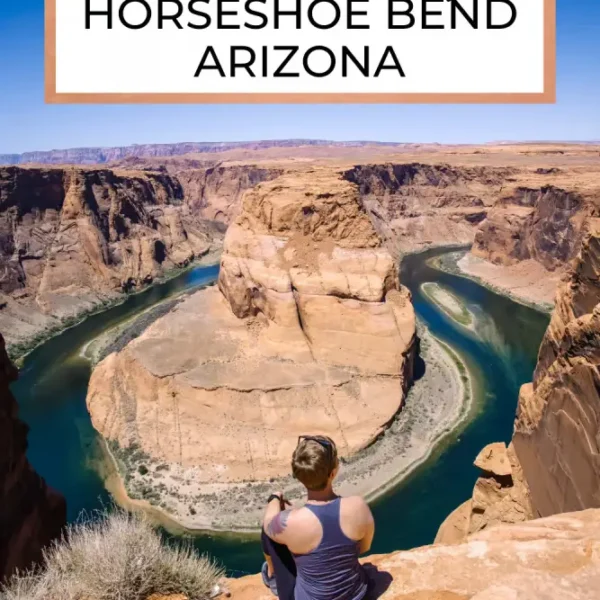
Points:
(500, 354)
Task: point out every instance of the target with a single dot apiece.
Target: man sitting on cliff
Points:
(325, 536)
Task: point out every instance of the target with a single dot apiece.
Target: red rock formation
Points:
(73, 239)
(417, 205)
(500, 496)
(309, 330)
(556, 440)
(557, 429)
(544, 224)
(215, 193)
(31, 514)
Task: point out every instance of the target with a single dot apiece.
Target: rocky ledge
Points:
(308, 330)
(556, 558)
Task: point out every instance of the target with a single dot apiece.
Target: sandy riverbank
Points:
(436, 406)
(527, 283)
(19, 351)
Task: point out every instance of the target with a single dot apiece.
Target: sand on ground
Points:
(527, 281)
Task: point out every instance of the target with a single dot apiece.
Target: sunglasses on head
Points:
(321, 441)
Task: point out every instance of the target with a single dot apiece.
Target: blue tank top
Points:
(331, 571)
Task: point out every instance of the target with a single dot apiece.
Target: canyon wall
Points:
(557, 428)
(215, 193)
(31, 514)
(308, 330)
(555, 450)
(72, 240)
(544, 224)
(416, 205)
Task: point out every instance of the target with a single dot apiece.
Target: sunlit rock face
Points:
(31, 514)
(500, 495)
(557, 428)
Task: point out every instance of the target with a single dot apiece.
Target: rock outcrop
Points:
(557, 558)
(557, 429)
(307, 331)
(215, 193)
(72, 240)
(31, 514)
(544, 224)
(555, 450)
(416, 205)
(500, 496)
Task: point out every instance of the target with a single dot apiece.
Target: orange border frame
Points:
(548, 96)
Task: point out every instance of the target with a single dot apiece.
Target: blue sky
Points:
(27, 123)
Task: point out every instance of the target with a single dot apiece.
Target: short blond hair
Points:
(314, 462)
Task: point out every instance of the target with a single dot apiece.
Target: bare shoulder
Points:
(356, 505)
(355, 516)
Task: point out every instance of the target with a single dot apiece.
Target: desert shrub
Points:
(118, 557)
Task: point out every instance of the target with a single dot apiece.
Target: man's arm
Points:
(276, 519)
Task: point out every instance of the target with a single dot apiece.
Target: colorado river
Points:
(500, 351)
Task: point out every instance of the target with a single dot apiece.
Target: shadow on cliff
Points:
(32, 515)
(379, 581)
(419, 367)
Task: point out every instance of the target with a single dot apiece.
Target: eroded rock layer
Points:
(544, 224)
(31, 514)
(416, 205)
(500, 495)
(73, 239)
(557, 558)
(557, 431)
(307, 331)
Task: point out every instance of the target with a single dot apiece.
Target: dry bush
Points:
(118, 557)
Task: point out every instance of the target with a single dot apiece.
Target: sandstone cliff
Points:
(532, 233)
(215, 192)
(555, 451)
(558, 422)
(557, 558)
(308, 331)
(500, 495)
(74, 239)
(543, 224)
(417, 205)
(31, 514)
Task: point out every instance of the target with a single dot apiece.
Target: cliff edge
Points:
(557, 558)
(31, 514)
